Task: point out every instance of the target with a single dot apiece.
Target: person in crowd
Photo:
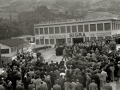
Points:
(104, 74)
(88, 66)
(78, 86)
(1, 86)
(107, 86)
(57, 87)
(31, 86)
(67, 85)
(73, 84)
(20, 87)
(93, 86)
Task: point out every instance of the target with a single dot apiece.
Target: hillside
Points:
(106, 5)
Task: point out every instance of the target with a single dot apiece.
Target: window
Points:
(63, 29)
(51, 41)
(57, 30)
(80, 28)
(74, 29)
(108, 37)
(46, 41)
(42, 41)
(86, 39)
(114, 26)
(100, 27)
(36, 31)
(41, 30)
(93, 38)
(86, 28)
(68, 29)
(4, 51)
(46, 30)
(100, 38)
(69, 40)
(51, 30)
(37, 41)
(107, 26)
(92, 27)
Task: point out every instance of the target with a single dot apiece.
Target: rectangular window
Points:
(51, 41)
(4, 51)
(100, 27)
(68, 29)
(42, 41)
(80, 28)
(86, 28)
(112, 26)
(51, 30)
(100, 38)
(46, 30)
(92, 27)
(41, 30)
(107, 26)
(46, 41)
(37, 41)
(107, 37)
(93, 38)
(86, 39)
(36, 31)
(69, 40)
(63, 29)
(57, 30)
(74, 29)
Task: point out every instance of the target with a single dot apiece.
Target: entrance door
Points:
(77, 40)
(60, 42)
(117, 41)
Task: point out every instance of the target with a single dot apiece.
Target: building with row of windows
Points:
(50, 34)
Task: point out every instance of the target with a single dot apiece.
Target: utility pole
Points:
(0, 58)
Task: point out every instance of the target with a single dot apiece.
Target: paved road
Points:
(49, 55)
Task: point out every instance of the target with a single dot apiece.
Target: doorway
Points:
(60, 42)
(117, 40)
(77, 40)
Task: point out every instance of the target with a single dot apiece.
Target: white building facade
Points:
(51, 34)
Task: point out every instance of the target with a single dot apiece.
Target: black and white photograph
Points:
(59, 44)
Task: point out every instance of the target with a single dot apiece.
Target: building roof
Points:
(12, 42)
(73, 21)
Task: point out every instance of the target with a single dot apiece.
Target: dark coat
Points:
(19, 87)
(57, 87)
(79, 86)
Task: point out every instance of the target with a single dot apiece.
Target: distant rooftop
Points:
(76, 20)
(12, 42)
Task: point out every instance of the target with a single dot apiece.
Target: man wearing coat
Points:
(79, 86)
(73, 85)
(93, 86)
(56, 86)
(107, 86)
(67, 85)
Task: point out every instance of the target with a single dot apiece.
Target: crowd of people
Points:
(85, 66)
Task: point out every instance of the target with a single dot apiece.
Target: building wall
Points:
(114, 28)
(6, 47)
(13, 50)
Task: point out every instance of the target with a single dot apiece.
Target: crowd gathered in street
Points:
(85, 66)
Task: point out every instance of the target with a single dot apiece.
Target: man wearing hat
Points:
(93, 86)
